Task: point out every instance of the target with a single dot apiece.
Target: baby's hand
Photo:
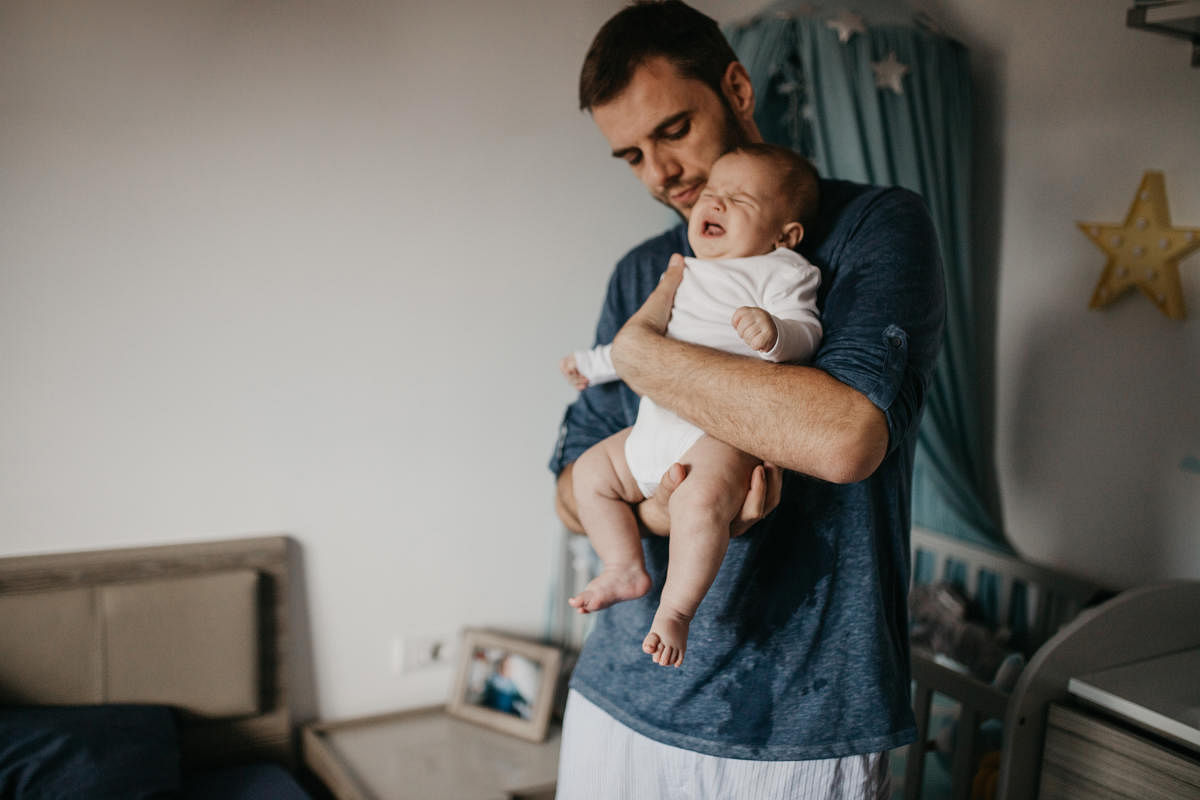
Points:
(756, 327)
(571, 371)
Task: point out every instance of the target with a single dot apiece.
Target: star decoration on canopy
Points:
(889, 73)
(1144, 252)
(799, 10)
(846, 23)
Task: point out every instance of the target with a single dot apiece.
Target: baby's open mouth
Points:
(712, 229)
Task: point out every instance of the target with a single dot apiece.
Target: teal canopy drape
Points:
(820, 96)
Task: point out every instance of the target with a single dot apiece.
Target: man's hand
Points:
(570, 371)
(756, 327)
(650, 320)
(766, 487)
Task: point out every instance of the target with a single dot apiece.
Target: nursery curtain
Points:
(874, 97)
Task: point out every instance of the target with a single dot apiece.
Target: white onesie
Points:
(782, 283)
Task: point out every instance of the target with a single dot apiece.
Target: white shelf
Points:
(1180, 19)
(1181, 16)
(1160, 694)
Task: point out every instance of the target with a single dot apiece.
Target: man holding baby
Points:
(796, 682)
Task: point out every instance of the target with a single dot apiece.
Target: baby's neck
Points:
(771, 249)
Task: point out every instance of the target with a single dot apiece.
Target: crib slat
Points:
(964, 752)
(1050, 614)
(1003, 599)
(914, 771)
(1034, 600)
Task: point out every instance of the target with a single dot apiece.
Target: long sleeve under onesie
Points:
(781, 283)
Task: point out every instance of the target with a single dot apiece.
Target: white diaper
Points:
(659, 438)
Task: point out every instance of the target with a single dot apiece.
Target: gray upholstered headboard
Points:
(202, 627)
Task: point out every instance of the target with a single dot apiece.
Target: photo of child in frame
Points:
(503, 681)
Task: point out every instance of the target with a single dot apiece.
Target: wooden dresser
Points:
(1127, 731)
(1090, 756)
(426, 753)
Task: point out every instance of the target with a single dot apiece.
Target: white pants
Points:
(601, 759)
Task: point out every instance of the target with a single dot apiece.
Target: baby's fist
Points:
(756, 327)
(570, 371)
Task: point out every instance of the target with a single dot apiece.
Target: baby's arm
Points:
(785, 338)
(787, 328)
(570, 370)
(586, 367)
(756, 327)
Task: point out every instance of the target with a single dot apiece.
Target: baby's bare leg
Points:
(702, 509)
(604, 492)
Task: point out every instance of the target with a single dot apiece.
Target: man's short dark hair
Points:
(691, 41)
(797, 177)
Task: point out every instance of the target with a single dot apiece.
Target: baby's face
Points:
(741, 211)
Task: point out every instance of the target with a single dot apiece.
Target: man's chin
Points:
(684, 212)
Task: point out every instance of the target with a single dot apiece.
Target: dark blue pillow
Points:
(121, 752)
(244, 782)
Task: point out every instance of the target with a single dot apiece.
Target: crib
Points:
(1070, 629)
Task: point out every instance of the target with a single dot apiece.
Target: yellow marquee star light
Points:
(1145, 251)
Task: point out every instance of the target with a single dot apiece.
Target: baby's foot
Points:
(612, 585)
(667, 640)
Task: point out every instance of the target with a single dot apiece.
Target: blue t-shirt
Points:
(800, 648)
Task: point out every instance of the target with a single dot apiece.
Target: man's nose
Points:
(661, 170)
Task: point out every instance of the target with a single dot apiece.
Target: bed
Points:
(976, 739)
(139, 672)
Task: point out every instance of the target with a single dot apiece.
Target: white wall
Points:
(304, 267)
(308, 267)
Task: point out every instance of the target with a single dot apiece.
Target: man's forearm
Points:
(797, 417)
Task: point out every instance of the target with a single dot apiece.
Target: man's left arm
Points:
(797, 417)
(835, 420)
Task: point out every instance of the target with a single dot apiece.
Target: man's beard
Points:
(735, 134)
(732, 137)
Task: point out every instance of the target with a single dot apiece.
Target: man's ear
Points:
(738, 90)
(792, 233)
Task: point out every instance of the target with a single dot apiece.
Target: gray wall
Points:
(309, 267)
(1096, 412)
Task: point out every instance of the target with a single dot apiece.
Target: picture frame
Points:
(505, 683)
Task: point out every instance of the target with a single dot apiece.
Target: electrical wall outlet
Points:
(412, 653)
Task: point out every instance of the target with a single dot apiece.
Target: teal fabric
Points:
(818, 96)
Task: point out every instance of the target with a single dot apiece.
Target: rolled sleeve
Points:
(875, 363)
(885, 310)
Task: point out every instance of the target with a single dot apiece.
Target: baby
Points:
(746, 293)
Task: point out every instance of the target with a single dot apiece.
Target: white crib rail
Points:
(1052, 597)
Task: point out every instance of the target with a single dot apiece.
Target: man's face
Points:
(670, 130)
